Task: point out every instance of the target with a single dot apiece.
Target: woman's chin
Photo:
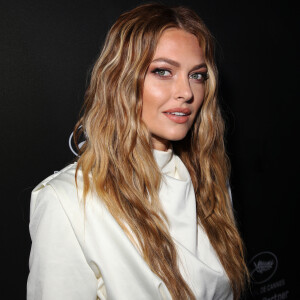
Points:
(176, 137)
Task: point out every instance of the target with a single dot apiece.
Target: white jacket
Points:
(85, 255)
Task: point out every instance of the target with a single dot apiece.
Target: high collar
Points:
(165, 161)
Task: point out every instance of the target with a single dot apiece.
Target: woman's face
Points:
(173, 87)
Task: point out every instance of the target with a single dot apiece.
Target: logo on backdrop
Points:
(263, 266)
(72, 145)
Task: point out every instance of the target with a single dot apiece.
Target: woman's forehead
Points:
(178, 44)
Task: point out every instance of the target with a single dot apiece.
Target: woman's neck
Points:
(159, 143)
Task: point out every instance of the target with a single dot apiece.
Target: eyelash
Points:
(203, 74)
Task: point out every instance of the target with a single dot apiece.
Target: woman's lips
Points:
(178, 115)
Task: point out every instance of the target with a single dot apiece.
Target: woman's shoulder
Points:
(59, 187)
(65, 177)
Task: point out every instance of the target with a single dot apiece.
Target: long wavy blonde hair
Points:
(118, 152)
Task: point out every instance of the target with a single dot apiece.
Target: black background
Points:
(47, 49)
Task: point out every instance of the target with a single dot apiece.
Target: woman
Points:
(145, 213)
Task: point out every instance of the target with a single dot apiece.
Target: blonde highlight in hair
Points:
(118, 153)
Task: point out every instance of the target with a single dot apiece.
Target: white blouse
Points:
(82, 254)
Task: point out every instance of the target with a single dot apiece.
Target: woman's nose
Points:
(182, 90)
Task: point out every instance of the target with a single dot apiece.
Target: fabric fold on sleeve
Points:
(58, 267)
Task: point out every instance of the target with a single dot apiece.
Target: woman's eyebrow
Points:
(177, 64)
(167, 60)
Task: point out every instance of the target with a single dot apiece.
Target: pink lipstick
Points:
(178, 115)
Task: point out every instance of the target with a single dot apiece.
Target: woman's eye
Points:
(199, 76)
(162, 72)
